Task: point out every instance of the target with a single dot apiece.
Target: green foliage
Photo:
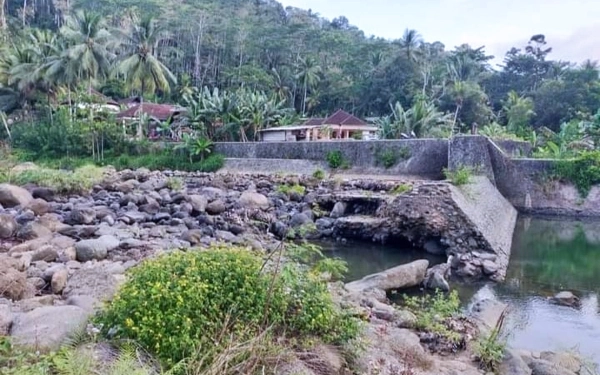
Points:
(335, 159)
(489, 350)
(434, 312)
(79, 181)
(319, 174)
(195, 147)
(181, 303)
(497, 131)
(175, 183)
(401, 189)
(288, 189)
(390, 157)
(166, 161)
(583, 171)
(417, 121)
(460, 176)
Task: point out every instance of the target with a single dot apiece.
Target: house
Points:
(156, 112)
(95, 100)
(339, 126)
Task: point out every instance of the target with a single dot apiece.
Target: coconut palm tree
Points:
(140, 66)
(89, 44)
(410, 42)
(308, 74)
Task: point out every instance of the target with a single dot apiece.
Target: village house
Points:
(155, 113)
(339, 126)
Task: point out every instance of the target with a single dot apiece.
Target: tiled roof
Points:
(314, 121)
(343, 118)
(160, 111)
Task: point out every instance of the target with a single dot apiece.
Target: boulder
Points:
(82, 216)
(59, 280)
(487, 312)
(404, 276)
(8, 226)
(566, 298)
(43, 193)
(46, 328)
(251, 199)
(339, 209)
(6, 319)
(193, 236)
(39, 207)
(216, 207)
(95, 282)
(513, 364)
(33, 230)
(95, 249)
(198, 202)
(299, 219)
(12, 196)
(13, 283)
(46, 253)
(542, 367)
(436, 277)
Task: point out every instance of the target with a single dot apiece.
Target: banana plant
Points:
(200, 147)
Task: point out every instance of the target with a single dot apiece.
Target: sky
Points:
(571, 27)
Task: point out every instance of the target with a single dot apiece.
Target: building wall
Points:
(273, 136)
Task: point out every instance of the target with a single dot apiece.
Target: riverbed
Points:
(548, 256)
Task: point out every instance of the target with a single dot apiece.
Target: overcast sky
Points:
(572, 27)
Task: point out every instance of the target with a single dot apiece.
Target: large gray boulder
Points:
(8, 226)
(566, 298)
(12, 196)
(98, 283)
(13, 282)
(198, 202)
(46, 328)
(251, 199)
(96, 249)
(542, 367)
(404, 276)
(435, 279)
(6, 319)
(513, 364)
(339, 209)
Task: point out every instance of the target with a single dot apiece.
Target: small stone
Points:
(95, 249)
(193, 236)
(8, 226)
(216, 207)
(39, 207)
(82, 216)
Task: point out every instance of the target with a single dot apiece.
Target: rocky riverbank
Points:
(60, 256)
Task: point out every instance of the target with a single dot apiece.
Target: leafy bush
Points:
(433, 312)
(583, 171)
(460, 176)
(336, 160)
(319, 174)
(288, 189)
(389, 158)
(181, 303)
(166, 160)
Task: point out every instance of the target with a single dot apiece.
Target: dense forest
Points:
(289, 57)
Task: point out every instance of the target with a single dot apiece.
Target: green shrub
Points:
(583, 171)
(433, 312)
(79, 181)
(335, 159)
(180, 303)
(319, 174)
(460, 176)
(401, 189)
(489, 350)
(389, 158)
(288, 189)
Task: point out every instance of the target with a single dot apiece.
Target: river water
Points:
(548, 256)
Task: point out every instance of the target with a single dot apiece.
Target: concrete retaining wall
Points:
(417, 157)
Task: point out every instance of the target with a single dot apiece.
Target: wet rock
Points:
(513, 364)
(487, 312)
(434, 247)
(95, 249)
(8, 226)
(339, 209)
(46, 328)
(12, 196)
(404, 276)
(542, 367)
(436, 277)
(566, 298)
(250, 199)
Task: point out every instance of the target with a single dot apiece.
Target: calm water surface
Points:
(548, 256)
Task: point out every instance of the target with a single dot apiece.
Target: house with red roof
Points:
(339, 126)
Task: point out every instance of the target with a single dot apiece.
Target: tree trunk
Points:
(24, 11)
(2, 15)
(140, 127)
(304, 99)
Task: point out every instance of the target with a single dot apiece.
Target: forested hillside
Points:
(312, 64)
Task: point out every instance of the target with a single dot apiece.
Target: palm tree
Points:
(309, 75)
(140, 66)
(410, 42)
(89, 45)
